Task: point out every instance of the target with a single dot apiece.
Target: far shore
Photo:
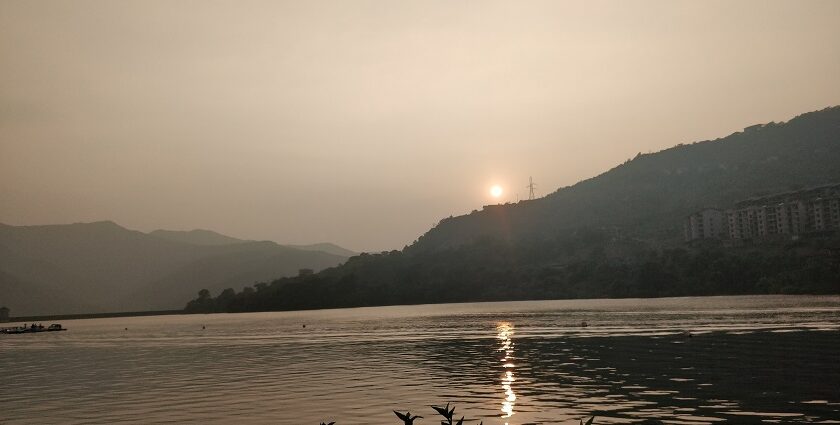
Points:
(641, 300)
(55, 317)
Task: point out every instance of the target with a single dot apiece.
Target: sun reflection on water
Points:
(505, 336)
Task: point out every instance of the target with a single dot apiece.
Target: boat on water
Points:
(55, 327)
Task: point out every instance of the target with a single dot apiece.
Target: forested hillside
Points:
(648, 196)
(616, 235)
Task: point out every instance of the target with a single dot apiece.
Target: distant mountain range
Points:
(103, 267)
(196, 237)
(209, 237)
(615, 235)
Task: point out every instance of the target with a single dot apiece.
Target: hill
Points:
(614, 235)
(326, 247)
(196, 237)
(648, 196)
(101, 267)
(209, 237)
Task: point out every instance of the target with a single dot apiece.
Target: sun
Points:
(496, 191)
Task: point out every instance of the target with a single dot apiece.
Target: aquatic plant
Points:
(447, 414)
(407, 418)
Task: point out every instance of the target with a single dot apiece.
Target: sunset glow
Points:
(496, 191)
(324, 212)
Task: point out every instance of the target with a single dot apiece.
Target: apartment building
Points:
(788, 213)
(704, 224)
(825, 213)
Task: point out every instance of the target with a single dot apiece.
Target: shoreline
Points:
(53, 317)
(641, 300)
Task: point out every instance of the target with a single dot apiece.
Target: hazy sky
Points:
(365, 122)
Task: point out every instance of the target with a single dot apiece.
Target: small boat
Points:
(55, 327)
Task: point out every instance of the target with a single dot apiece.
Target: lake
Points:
(750, 359)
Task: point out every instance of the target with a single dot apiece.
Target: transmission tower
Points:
(531, 186)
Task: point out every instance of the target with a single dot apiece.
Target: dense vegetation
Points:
(493, 270)
(616, 235)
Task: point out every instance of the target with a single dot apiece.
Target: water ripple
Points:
(690, 361)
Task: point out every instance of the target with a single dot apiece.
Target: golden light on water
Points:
(505, 335)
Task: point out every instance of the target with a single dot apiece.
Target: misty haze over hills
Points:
(563, 211)
(616, 235)
(531, 249)
(196, 237)
(209, 237)
(102, 267)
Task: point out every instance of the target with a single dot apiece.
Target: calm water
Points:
(749, 360)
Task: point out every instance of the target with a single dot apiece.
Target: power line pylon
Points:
(531, 186)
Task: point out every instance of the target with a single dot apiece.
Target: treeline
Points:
(582, 264)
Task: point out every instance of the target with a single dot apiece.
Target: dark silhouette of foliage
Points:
(493, 270)
(447, 414)
(203, 304)
(406, 417)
